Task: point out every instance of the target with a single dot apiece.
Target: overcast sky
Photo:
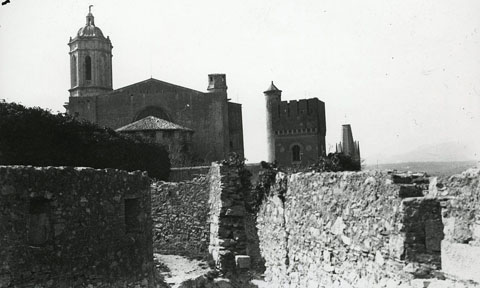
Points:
(403, 73)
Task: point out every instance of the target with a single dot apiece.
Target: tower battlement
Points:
(294, 108)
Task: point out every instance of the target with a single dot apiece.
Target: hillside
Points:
(445, 168)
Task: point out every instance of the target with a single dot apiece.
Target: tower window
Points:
(88, 68)
(295, 153)
(74, 71)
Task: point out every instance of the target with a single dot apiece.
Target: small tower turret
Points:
(350, 147)
(273, 97)
(217, 83)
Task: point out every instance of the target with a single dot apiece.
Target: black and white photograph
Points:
(240, 144)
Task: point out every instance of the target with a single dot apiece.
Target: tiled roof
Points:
(152, 123)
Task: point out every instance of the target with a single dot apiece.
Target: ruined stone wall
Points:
(350, 229)
(180, 214)
(71, 227)
(226, 217)
(461, 216)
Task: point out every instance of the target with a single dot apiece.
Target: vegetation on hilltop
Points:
(34, 136)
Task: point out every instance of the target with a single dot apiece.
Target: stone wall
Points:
(73, 227)
(228, 241)
(180, 214)
(461, 216)
(187, 173)
(350, 229)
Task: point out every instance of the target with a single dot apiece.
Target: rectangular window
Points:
(39, 227)
(132, 215)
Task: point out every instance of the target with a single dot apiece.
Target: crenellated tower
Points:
(295, 129)
(90, 61)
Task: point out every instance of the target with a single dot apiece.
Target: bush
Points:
(336, 162)
(33, 136)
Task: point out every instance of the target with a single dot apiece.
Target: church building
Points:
(216, 122)
(295, 129)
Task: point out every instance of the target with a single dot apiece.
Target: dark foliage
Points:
(266, 178)
(336, 162)
(234, 160)
(33, 136)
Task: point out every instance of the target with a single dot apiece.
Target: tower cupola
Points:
(90, 30)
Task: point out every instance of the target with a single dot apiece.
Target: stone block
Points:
(433, 234)
(238, 210)
(461, 260)
(410, 191)
(402, 179)
(242, 261)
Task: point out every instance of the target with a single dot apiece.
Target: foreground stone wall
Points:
(73, 227)
(180, 214)
(350, 229)
(461, 246)
(228, 240)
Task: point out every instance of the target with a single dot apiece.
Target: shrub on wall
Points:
(261, 190)
(335, 162)
(33, 136)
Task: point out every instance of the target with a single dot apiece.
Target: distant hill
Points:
(441, 152)
(442, 169)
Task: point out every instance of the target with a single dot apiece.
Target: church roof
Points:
(152, 123)
(272, 88)
(153, 83)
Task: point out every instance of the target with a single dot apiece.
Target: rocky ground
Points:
(181, 272)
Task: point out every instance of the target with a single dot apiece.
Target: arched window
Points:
(74, 71)
(88, 68)
(295, 153)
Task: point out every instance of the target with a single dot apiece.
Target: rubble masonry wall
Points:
(348, 228)
(71, 227)
(461, 216)
(180, 217)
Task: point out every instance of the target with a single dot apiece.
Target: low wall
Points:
(74, 227)
(180, 214)
(350, 229)
(187, 173)
(461, 246)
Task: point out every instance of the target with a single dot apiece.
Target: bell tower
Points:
(90, 60)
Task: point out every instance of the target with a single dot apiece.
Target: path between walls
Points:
(181, 272)
(181, 268)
